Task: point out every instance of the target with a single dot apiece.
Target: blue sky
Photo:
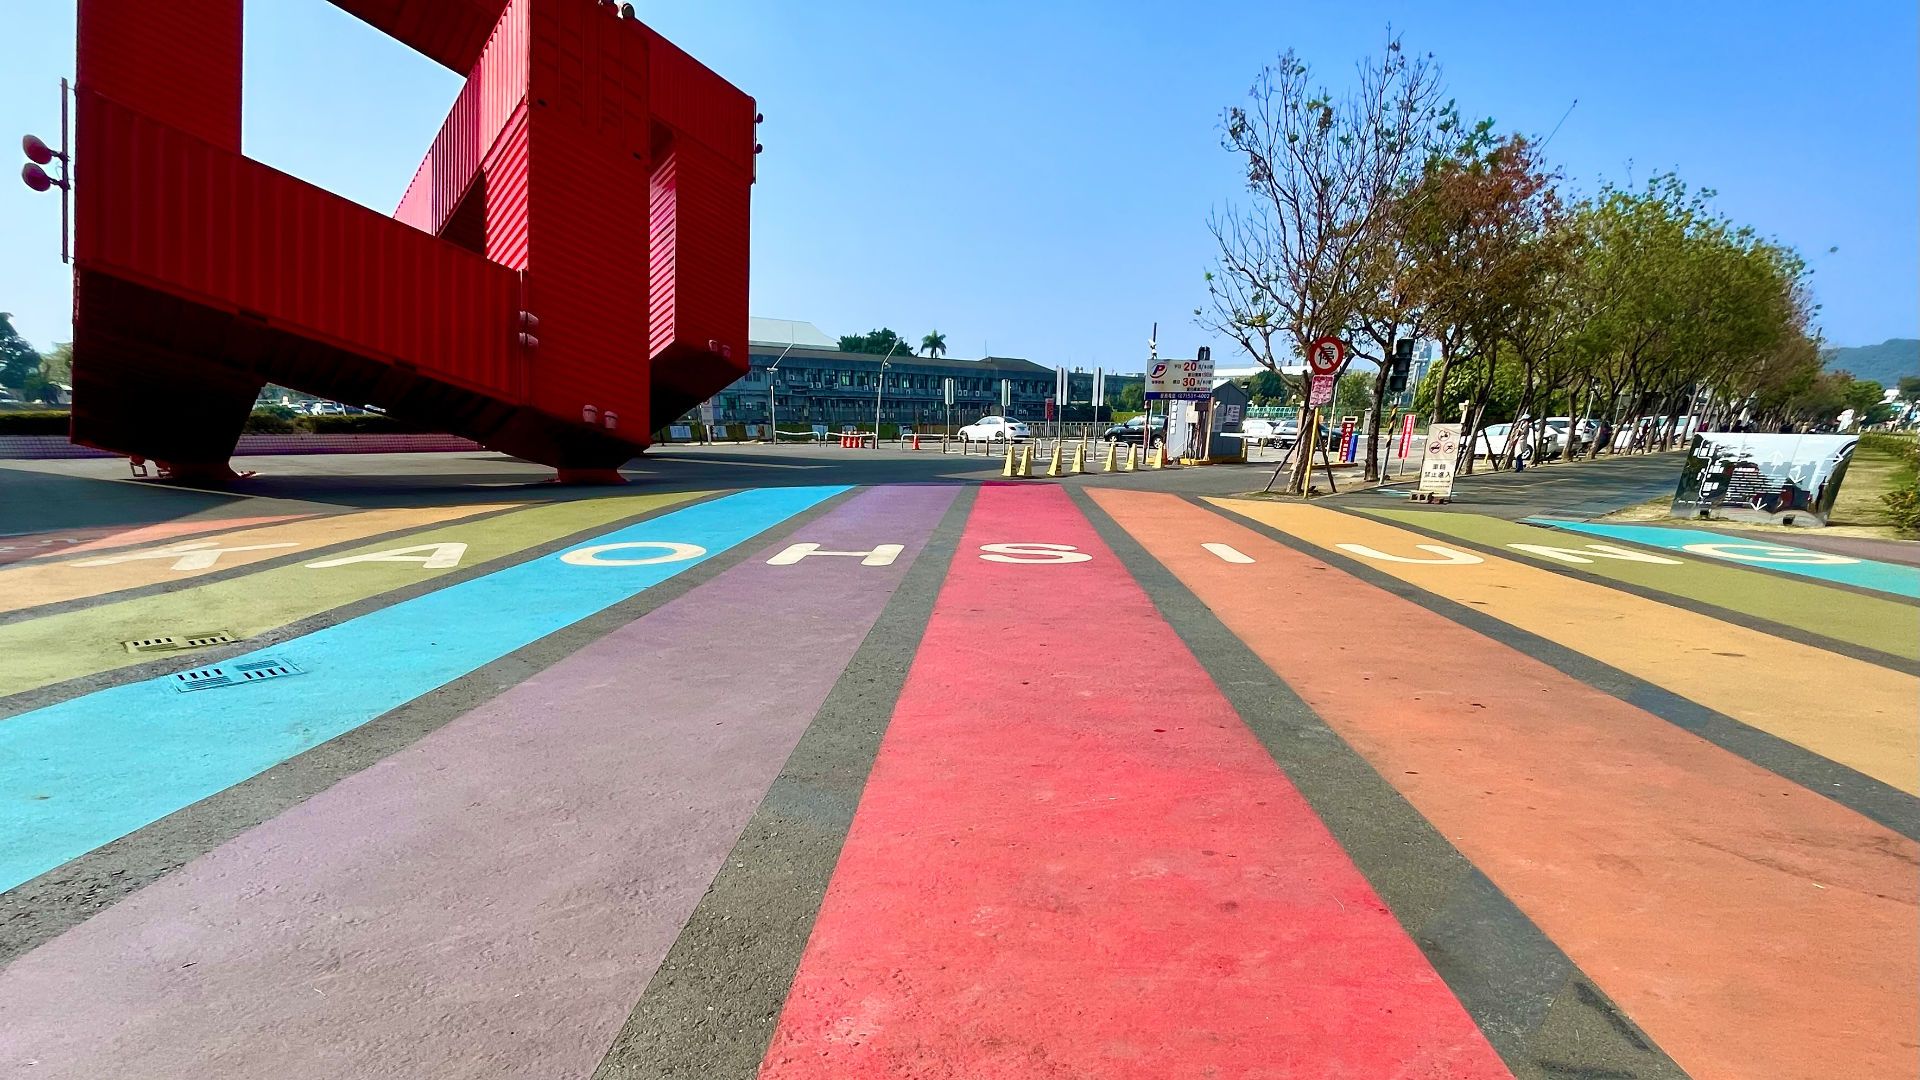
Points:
(1033, 179)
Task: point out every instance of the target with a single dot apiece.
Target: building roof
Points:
(784, 332)
(989, 363)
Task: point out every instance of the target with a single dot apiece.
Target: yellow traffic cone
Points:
(1127, 464)
(1007, 469)
(1160, 456)
(1026, 463)
(1079, 459)
(1053, 463)
(1113, 457)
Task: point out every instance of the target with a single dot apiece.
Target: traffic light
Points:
(1402, 364)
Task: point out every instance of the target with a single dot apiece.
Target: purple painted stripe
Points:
(492, 900)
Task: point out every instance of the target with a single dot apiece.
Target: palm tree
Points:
(934, 344)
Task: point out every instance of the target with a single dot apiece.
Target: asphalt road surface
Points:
(810, 763)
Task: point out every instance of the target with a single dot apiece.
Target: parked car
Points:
(1132, 429)
(1261, 432)
(1491, 442)
(994, 429)
(1290, 434)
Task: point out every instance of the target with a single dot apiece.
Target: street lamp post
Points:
(880, 390)
(773, 415)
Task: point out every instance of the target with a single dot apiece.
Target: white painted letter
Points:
(196, 555)
(1767, 553)
(1033, 553)
(443, 556)
(1448, 556)
(1227, 553)
(881, 555)
(1591, 551)
(590, 556)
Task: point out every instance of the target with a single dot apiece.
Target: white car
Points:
(1492, 440)
(994, 429)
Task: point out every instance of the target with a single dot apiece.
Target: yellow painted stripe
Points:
(88, 641)
(1858, 714)
(32, 585)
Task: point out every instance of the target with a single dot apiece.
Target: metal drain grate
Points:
(207, 678)
(178, 642)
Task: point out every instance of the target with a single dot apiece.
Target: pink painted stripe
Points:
(1074, 860)
(492, 900)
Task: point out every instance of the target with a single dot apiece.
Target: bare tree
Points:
(1323, 171)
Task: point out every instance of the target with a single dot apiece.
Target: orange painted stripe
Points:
(1751, 927)
(34, 584)
(1859, 714)
(167, 530)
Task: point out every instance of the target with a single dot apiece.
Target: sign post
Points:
(1438, 463)
(946, 386)
(1406, 435)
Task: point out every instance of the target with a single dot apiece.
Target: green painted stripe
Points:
(88, 641)
(1885, 625)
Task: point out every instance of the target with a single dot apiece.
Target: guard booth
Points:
(1208, 432)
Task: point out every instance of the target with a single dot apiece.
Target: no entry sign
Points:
(1324, 355)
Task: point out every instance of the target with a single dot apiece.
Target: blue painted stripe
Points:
(1847, 570)
(84, 772)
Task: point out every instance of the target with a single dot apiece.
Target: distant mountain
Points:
(1884, 363)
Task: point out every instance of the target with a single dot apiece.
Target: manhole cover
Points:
(207, 678)
(178, 642)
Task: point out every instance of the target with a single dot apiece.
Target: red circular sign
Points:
(1324, 355)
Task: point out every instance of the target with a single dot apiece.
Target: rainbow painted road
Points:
(952, 780)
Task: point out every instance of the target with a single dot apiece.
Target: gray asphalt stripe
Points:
(710, 1010)
(1509, 975)
(37, 910)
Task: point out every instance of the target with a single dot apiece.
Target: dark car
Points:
(1130, 431)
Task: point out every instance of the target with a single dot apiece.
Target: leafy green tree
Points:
(1132, 397)
(934, 344)
(57, 365)
(1353, 394)
(1268, 388)
(1909, 388)
(1861, 395)
(876, 342)
(18, 360)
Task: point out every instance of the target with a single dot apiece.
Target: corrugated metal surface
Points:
(697, 104)
(186, 217)
(698, 216)
(451, 32)
(493, 94)
(662, 214)
(176, 62)
(587, 183)
(506, 170)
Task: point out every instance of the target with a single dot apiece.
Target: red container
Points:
(572, 249)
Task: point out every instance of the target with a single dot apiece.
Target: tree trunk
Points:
(1373, 435)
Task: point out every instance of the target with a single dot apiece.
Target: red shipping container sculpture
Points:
(566, 273)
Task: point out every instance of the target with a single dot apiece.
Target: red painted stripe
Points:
(1073, 859)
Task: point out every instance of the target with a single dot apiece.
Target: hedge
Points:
(34, 422)
(1903, 502)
